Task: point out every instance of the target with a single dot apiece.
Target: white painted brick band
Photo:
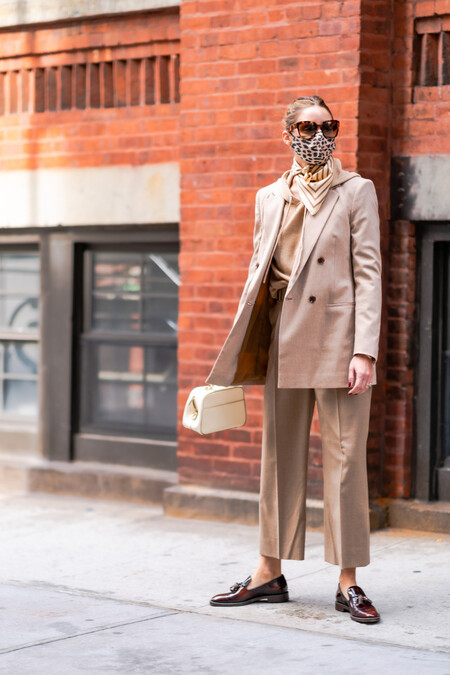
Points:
(90, 196)
(19, 12)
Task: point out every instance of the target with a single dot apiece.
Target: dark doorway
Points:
(433, 386)
(443, 371)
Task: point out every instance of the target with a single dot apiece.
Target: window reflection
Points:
(135, 292)
(19, 333)
(129, 347)
(19, 292)
(131, 387)
(20, 398)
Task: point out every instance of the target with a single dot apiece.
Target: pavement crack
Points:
(99, 629)
(79, 592)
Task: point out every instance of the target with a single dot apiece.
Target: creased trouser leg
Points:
(344, 425)
(282, 506)
(344, 422)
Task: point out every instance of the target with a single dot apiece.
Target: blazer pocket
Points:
(341, 304)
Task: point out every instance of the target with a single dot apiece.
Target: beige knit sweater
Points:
(289, 239)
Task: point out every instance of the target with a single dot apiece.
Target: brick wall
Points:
(420, 126)
(239, 70)
(421, 113)
(374, 147)
(401, 360)
(91, 93)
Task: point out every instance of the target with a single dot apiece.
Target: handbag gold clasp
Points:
(195, 413)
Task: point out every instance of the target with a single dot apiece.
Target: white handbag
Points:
(212, 408)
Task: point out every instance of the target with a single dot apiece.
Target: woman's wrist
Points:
(372, 359)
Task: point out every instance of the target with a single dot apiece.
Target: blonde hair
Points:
(299, 104)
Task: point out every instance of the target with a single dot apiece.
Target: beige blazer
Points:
(332, 306)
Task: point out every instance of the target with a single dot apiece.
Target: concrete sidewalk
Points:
(107, 587)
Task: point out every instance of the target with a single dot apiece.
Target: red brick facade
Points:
(239, 69)
(420, 126)
(101, 93)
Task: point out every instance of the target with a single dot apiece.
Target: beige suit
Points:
(301, 349)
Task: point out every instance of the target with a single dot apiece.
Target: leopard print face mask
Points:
(316, 150)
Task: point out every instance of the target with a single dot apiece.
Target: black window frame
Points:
(62, 321)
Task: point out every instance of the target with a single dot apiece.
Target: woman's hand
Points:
(360, 374)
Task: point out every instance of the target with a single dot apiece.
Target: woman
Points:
(307, 327)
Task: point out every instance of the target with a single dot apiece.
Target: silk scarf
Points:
(313, 182)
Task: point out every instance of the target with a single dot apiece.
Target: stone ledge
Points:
(13, 476)
(87, 479)
(205, 503)
(411, 514)
(152, 486)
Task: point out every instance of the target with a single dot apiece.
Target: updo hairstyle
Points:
(300, 103)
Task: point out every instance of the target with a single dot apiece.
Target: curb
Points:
(204, 503)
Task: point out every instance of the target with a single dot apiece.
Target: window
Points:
(129, 342)
(432, 51)
(19, 333)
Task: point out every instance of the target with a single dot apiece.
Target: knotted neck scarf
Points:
(313, 182)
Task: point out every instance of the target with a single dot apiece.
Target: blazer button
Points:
(256, 265)
(320, 260)
(312, 298)
(249, 304)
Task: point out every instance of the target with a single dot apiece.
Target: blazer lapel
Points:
(313, 226)
(273, 213)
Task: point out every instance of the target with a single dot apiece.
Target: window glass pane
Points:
(116, 289)
(117, 272)
(129, 387)
(21, 358)
(116, 313)
(160, 315)
(20, 397)
(19, 292)
(161, 281)
(19, 313)
(135, 292)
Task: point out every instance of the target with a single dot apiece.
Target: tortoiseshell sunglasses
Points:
(330, 128)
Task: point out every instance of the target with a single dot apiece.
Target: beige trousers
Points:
(344, 425)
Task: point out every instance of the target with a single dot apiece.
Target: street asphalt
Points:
(108, 587)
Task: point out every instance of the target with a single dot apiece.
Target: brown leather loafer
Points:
(273, 591)
(358, 604)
